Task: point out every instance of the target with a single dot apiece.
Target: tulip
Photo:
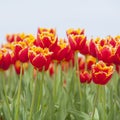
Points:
(101, 73)
(61, 50)
(72, 31)
(76, 38)
(90, 60)
(21, 51)
(85, 77)
(77, 42)
(93, 46)
(46, 38)
(40, 57)
(106, 53)
(10, 38)
(5, 59)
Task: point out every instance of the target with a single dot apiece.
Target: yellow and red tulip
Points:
(93, 46)
(76, 38)
(10, 38)
(77, 42)
(61, 50)
(5, 59)
(40, 57)
(106, 53)
(85, 77)
(90, 60)
(117, 47)
(85, 49)
(50, 30)
(72, 31)
(101, 73)
(46, 38)
(21, 51)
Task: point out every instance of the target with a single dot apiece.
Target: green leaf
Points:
(118, 87)
(80, 115)
(96, 115)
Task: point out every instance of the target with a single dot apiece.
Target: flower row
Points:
(46, 48)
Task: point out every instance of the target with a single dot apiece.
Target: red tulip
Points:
(10, 38)
(23, 55)
(40, 57)
(85, 77)
(90, 60)
(72, 31)
(5, 59)
(93, 46)
(106, 53)
(77, 42)
(46, 38)
(61, 50)
(21, 51)
(101, 73)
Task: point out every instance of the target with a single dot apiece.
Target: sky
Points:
(97, 17)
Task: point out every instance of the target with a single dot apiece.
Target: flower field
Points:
(44, 77)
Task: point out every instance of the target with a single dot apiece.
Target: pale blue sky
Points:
(98, 17)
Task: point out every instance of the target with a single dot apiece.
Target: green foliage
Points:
(56, 100)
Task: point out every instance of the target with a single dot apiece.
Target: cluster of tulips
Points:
(91, 61)
(45, 49)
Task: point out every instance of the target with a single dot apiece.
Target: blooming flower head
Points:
(104, 49)
(10, 47)
(72, 31)
(117, 47)
(101, 73)
(93, 46)
(90, 60)
(21, 51)
(85, 49)
(5, 59)
(77, 42)
(85, 77)
(41, 30)
(10, 38)
(19, 37)
(61, 50)
(40, 57)
(46, 38)
(76, 39)
(106, 53)
(15, 37)
(29, 39)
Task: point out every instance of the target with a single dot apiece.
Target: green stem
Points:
(77, 77)
(33, 100)
(6, 100)
(61, 76)
(55, 82)
(104, 103)
(85, 98)
(18, 96)
(41, 90)
(95, 102)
